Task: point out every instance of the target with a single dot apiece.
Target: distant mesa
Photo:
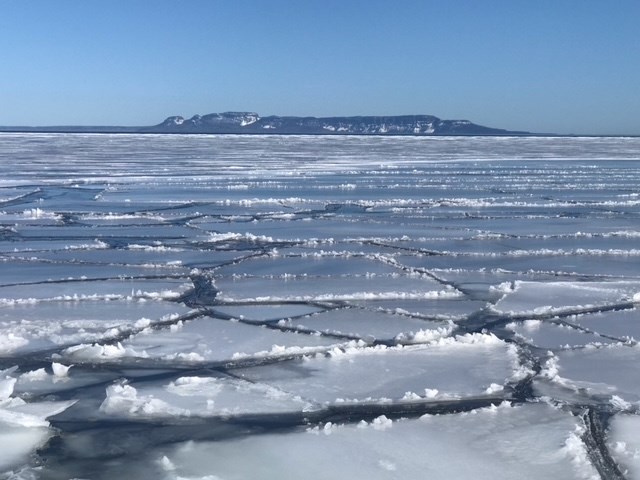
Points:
(252, 123)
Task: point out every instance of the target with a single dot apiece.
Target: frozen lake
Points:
(231, 307)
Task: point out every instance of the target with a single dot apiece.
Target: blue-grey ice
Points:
(220, 306)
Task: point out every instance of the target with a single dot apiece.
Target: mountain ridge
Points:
(253, 123)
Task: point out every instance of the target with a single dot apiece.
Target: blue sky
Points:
(565, 66)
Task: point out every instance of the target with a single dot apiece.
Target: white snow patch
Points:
(35, 375)
(124, 399)
(60, 370)
(100, 352)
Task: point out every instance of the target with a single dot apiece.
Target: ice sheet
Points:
(81, 290)
(20, 271)
(450, 368)
(502, 259)
(283, 266)
(32, 326)
(439, 309)
(204, 340)
(521, 445)
(555, 297)
(623, 324)
(608, 371)
(264, 312)
(552, 336)
(372, 325)
(333, 288)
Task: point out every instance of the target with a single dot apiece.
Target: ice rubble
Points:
(624, 443)
(48, 325)
(204, 340)
(23, 425)
(190, 397)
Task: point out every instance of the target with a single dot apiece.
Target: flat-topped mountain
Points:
(249, 122)
(252, 123)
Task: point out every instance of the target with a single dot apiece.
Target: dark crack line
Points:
(421, 251)
(177, 276)
(23, 199)
(594, 438)
(423, 271)
(126, 439)
(335, 412)
(582, 329)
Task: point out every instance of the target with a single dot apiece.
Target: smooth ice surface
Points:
(530, 442)
(266, 313)
(372, 325)
(87, 290)
(541, 298)
(624, 324)
(553, 336)
(31, 271)
(289, 267)
(441, 309)
(609, 371)
(333, 289)
(465, 366)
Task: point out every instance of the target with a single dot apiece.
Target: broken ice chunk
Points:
(456, 367)
(530, 441)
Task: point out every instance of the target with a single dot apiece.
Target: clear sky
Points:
(564, 66)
